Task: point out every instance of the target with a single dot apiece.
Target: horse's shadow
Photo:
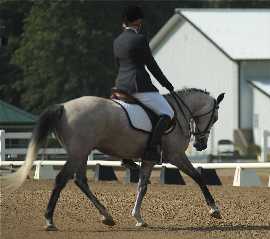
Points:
(181, 228)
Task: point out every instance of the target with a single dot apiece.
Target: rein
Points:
(200, 134)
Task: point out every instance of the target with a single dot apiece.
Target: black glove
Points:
(169, 86)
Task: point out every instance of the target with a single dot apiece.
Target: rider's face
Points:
(137, 23)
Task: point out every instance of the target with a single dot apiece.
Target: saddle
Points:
(129, 99)
(121, 95)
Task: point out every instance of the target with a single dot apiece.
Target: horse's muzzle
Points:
(200, 146)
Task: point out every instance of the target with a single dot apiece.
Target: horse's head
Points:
(204, 122)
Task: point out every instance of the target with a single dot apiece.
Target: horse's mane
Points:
(187, 91)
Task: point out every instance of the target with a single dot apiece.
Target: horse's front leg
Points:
(186, 166)
(145, 173)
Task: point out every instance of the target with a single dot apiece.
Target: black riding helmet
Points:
(132, 13)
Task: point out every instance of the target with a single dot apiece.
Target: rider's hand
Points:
(169, 86)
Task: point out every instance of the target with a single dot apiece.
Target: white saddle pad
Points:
(137, 116)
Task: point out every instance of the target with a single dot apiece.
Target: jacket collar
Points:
(130, 29)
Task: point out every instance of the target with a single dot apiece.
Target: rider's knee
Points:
(167, 120)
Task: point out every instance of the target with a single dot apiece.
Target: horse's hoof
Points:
(108, 222)
(215, 213)
(141, 224)
(51, 228)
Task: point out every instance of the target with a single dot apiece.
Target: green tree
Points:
(58, 54)
(11, 26)
(10, 76)
(66, 49)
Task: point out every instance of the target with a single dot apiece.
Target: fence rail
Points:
(167, 165)
(14, 152)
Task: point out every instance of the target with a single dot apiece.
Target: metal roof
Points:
(10, 114)
(243, 34)
(262, 86)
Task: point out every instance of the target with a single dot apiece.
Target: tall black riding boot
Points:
(152, 152)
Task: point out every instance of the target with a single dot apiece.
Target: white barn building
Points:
(220, 50)
(261, 120)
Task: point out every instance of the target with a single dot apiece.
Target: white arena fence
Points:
(243, 174)
(167, 165)
(15, 152)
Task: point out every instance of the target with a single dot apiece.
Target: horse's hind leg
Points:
(145, 173)
(61, 180)
(129, 163)
(81, 182)
(186, 166)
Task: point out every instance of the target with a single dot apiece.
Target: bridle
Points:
(197, 133)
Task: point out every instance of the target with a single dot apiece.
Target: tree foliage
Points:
(10, 81)
(66, 51)
(63, 49)
(59, 54)
(11, 27)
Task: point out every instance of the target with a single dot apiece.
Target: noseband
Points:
(198, 133)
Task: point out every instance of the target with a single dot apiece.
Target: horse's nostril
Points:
(199, 147)
(204, 147)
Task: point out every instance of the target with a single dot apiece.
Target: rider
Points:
(132, 54)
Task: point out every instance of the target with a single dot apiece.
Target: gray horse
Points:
(88, 123)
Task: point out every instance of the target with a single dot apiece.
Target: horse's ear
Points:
(220, 98)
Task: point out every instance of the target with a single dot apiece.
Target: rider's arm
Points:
(153, 66)
(116, 60)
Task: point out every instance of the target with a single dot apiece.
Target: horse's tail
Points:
(46, 124)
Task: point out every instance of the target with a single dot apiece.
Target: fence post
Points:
(265, 149)
(2, 145)
(91, 156)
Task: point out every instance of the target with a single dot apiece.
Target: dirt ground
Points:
(172, 211)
